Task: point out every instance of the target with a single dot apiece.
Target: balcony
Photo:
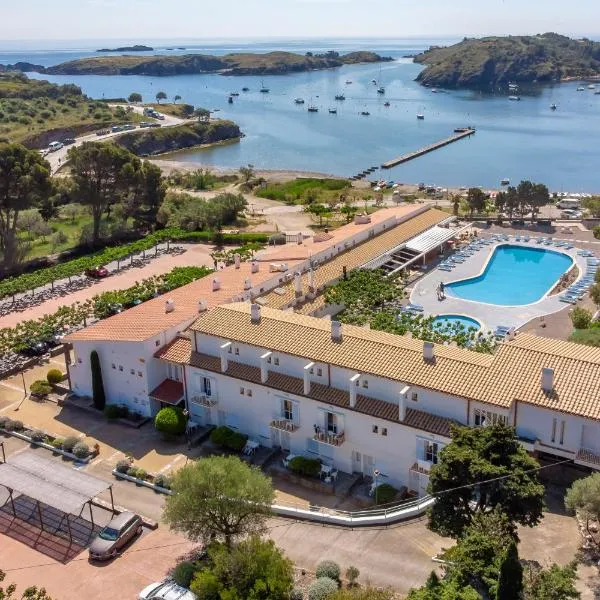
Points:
(588, 457)
(284, 425)
(421, 466)
(204, 400)
(328, 437)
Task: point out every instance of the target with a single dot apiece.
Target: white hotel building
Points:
(358, 399)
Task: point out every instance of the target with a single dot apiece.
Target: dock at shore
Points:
(462, 133)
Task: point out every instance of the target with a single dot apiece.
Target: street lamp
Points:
(376, 474)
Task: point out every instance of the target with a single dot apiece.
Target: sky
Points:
(139, 20)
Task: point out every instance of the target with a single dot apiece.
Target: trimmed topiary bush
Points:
(37, 435)
(54, 376)
(81, 450)
(170, 421)
(296, 594)
(237, 441)
(69, 443)
(221, 435)
(138, 473)
(123, 466)
(322, 588)
(328, 568)
(183, 573)
(385, 493)
(3, 421)
(14, 425)
(40, 388)
(163, 481)
(58, 443)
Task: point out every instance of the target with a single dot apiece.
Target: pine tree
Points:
(510, 577)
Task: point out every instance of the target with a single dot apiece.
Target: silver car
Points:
(121, 530)
(166, 590)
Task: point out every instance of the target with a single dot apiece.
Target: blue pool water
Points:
(514, 275)
(449, 320)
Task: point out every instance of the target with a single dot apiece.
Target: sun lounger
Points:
(568, 299)
(526, 238)
(539, 240)
(416, 307)
(446, 268)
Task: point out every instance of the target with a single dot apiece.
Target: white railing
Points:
(204, 400)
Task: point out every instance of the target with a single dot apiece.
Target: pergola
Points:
(48, 482)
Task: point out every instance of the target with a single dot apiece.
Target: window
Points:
(384, 431)
(241, 391)
(431, 452)
(237, 351)
(269, 359)
(113, 366)
(157, 343)
(553, 438)
(249, 392)
(120, 367)
(206, 387)
(562, 433)
(485, 418)
(414, 396)
(312, 371)
(276, 362)
(331, 423)
(319, 372)
(375, 429)
(132, 371)
(365, 384)
(139, 374)
(287, 410)
(229, 349)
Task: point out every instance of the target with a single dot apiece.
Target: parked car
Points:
(54, 146)
(115, 309)
(68, 141)
(34, 348)
(166, 590)
(128, 127)
(97, 272)
(155, 125)
(103, 132)
(121, 530)
(571, 214)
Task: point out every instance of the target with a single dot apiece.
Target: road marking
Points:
(12, 387)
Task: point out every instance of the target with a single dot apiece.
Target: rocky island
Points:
(136, 48)
(272, 63)
(491, 63)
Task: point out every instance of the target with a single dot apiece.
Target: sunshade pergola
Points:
(49, 482)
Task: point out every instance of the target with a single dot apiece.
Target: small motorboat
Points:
(333, 111)
(386, 104)
(381, 90)
(340, 97)
(591, 86)
(365, 113)
(234, 94)
(230, 99)
(299, 101)
(553, 107)
(597, 93)
(434, 90)
(263, 89)
(348, 82)
(581, 89)
(421, 117)
(312, 108)
(374, 81)
(505, 181)
(514, 98)
(245, 89)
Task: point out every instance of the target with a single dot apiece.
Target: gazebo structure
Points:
(47, 482)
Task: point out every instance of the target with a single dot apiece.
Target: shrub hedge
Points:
(54, 376)
(385, 493)
(322, 588)
(70, 443)
(40, 388)
(81, 450)
(311, 467)
(225, 437)
(328, 568)
(170, 421)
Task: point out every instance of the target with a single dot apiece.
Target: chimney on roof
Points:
(169, 305)
(224, 350)
(306, 374)
(255, 313)
(353, 384)
(247, 283)
(237, 260)
(402, 404)
(336, 331)
(298, 284)
(254, 267)
(548, 380)
(428, 351)
(264, 372)
(202, 305)
(216, 284)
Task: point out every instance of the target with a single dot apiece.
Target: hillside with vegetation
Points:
(271, 63)
(37, 112)
(491, 63)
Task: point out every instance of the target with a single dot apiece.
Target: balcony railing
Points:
(328, 437)
(588, 456)
(204, 400)
(284, 425)
(421, 466)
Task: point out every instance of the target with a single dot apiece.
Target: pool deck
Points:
(489, 315)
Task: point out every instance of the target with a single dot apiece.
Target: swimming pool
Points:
(448, 321)
(514, 275)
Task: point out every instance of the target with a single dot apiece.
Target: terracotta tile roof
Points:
(322, 393)
(169, 392)
(177, 351)
(512, 374)
(360, 254)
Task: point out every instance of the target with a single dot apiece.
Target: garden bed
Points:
(125, 469)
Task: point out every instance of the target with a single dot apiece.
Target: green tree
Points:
(348, 211)
(362, 290)
(219, 497)
(177, 97)
(24, 182)
(580, 317)
(510, 577)
(103, 175)
(31, 593)
(170, 421)
(253, 569)
(593, 205)
(247, 173)
(553, 583)
(475, 200)
(318, 210)
(160, 96)
(147, 194)
(362, 593)
(134, 98)
(48, 209)
(455, 201)
(435, 589)
(483, 468)
(595, 293)
(98, 396)
(584, 497)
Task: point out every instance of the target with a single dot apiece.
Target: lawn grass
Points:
(172, 109)
(589, 337)
(304, 190)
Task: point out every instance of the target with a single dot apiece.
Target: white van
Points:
(572, 203)
(54, 146)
